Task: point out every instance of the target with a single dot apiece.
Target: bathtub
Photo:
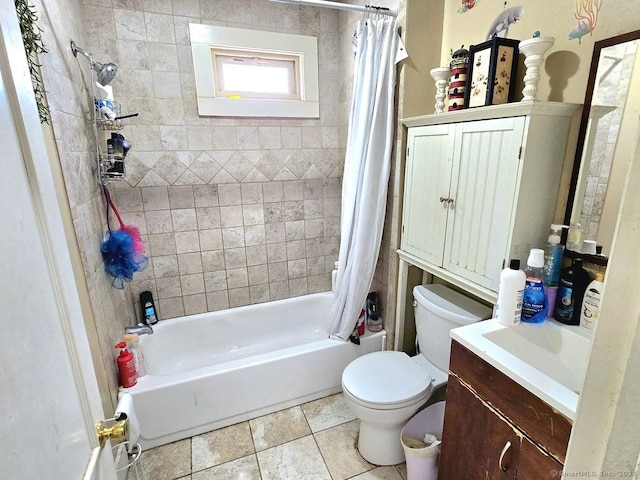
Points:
(212, 370)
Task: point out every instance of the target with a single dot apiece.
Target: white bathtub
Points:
(212, 370)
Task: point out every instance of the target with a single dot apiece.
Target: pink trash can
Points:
(421, 457)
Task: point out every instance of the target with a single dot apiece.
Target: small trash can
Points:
(422, 456)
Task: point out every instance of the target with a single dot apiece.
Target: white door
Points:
(427, 179)
(49, 398)
(483, 186)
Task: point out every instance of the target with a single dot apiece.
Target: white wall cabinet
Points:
(480, 188)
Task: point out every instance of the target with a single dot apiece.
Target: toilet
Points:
(385, 389)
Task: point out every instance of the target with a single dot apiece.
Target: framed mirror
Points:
(606, 139)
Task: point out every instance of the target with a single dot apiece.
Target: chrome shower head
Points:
(106, 71)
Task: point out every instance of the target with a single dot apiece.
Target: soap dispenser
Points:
(553, 265)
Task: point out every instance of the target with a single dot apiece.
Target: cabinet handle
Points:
(442, 199)
(507, 446)
(449, 200)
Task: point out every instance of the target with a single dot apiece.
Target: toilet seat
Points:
(386, 380)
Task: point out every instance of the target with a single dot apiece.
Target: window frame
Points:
(207, 38)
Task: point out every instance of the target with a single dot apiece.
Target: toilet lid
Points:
(385, 378)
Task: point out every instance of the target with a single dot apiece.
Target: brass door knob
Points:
(117, 431)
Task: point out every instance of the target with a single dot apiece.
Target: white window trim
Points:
(205, 37)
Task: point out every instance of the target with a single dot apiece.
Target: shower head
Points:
(106, 71)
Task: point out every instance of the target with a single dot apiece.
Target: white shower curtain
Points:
(366, 170)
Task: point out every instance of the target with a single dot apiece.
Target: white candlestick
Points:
(534, 50)
(441, 76)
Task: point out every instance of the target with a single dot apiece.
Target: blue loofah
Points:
(120, 258)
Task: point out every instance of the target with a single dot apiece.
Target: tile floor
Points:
(313, 441)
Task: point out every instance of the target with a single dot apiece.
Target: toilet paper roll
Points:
(125, 405)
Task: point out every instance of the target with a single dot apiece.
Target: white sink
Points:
(549, 359)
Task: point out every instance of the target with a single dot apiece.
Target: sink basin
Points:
(549, 359)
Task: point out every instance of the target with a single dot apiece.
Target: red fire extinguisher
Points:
(126, 366)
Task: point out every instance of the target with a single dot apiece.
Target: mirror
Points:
(606, 139)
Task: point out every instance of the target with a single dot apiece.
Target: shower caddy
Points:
(110, 164)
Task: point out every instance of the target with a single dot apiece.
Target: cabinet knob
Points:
(506, 448)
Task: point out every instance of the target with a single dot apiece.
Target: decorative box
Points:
(491, 73)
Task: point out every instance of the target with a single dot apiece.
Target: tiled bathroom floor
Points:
(313, 441)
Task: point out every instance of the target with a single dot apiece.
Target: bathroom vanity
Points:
(496, 429)
(512, 395)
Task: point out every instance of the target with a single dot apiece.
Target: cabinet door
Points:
(476, 443)
(484, 183)
(534, 464)
(427, 179)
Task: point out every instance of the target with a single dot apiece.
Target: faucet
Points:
(140, 329)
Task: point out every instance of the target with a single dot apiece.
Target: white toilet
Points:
(385, 389)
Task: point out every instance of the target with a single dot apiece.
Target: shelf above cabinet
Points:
(515, 109)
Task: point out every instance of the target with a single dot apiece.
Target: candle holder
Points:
(534, 50)
(441, 76)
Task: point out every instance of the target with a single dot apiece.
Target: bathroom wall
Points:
(66, 80)
(233, 211)
(564, 77)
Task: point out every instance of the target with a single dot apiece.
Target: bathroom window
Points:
(251, 73)
(247, 74)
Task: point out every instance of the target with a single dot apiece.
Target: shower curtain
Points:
(366, 170)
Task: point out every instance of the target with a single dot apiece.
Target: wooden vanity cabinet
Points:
(496, 429)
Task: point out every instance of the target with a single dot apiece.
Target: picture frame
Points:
(491, 74)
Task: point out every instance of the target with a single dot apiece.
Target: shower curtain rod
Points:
(343, 6)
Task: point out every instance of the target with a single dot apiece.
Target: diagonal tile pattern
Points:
(313, 441)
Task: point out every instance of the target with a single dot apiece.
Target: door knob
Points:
(117, 431)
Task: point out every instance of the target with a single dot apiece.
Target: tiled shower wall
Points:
(233, 210)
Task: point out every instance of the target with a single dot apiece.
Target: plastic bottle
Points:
(573, 282)
(374, 321)
(334, 277)
(553, 265)
(591, 302)
(149, 315)
(534, 302)
(126, 366)
(510, 294)
(133, 344)
(574, 237)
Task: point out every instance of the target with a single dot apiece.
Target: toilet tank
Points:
(438, 309)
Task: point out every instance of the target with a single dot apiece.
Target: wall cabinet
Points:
(480, 188)
(495, 429)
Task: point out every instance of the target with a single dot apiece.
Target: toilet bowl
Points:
(385, 389)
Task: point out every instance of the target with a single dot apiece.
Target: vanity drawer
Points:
(538, 420)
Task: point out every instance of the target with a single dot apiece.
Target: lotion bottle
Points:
(510, 294)
(591, 303)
